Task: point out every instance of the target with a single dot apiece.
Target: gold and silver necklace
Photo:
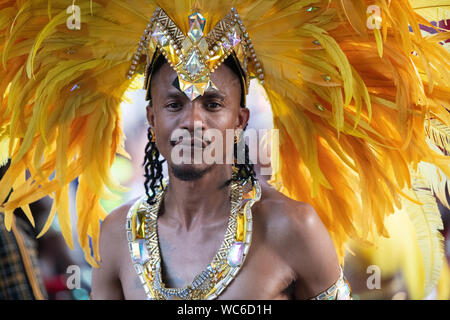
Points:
(144, 248)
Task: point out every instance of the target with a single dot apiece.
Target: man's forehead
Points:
(221, 81)
(211, 91)
(170, 76)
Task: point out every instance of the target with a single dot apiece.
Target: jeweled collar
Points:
(210, 283)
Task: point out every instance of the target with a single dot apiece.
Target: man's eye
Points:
(213, 105)
(173, 105)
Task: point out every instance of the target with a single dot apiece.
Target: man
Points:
(191, 225)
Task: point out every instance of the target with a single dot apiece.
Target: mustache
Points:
(191, 140)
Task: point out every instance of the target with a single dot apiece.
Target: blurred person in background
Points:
(32, 267)
(20, 277)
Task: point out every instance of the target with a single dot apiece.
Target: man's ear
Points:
(244, 115)
(150, 115)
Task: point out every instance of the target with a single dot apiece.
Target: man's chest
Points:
(263, 275)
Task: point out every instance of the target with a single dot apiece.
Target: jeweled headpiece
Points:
(195, 56)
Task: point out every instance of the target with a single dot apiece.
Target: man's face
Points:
(172, 110)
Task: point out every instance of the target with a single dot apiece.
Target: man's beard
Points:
(188, 173)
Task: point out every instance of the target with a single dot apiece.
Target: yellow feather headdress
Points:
(350, 86)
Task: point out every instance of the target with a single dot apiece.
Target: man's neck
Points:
(191, 204)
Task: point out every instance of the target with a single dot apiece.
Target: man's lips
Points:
(191, 142)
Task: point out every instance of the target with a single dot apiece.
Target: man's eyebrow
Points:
(173, 94)
(212, 93)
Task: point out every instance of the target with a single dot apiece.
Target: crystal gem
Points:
(240, 227)
(189, 92)
(194, 64)
(236, 254)
(319, 106)
(226, 45)
(157, 34)
(197, 18)
(140, 253)
(196, 26)
(195, 32)
(234, 38)
(140, 224)
(203, 46)
(164, 40)
(192, 92)
(311, 9)
(186, 45)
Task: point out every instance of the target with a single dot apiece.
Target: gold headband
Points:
(195, 56)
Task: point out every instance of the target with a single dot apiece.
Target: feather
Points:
(49, 221)
(427, 224)
(437, 180)
(4, 146)
(436, 11)
(439, 135)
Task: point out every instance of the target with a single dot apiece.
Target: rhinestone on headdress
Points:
(197, 25)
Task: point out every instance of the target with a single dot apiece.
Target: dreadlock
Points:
(153, 166)
(244, 170)
(153, 169)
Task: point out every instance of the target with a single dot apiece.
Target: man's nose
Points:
(193, 119)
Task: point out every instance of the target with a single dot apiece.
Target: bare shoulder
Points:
(288, 217)
(295, 230)
(113, 235)
(113, 227)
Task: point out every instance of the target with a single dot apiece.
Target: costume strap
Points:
(340, 290)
